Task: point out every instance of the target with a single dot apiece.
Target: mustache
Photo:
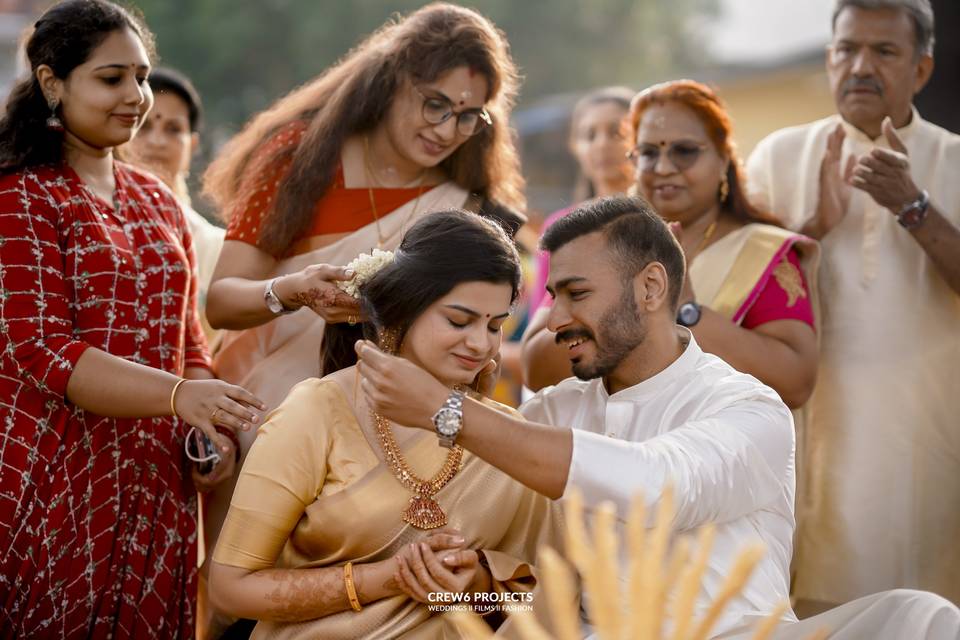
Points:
(852, 84)
(573, 334)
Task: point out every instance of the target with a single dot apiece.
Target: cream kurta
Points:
(882, 507)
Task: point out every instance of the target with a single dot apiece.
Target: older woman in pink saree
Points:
(749, 295)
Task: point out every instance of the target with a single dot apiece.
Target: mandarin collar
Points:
(905, 132)
(682, 366)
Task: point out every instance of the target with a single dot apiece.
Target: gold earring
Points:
(724, 188)
(388, 340)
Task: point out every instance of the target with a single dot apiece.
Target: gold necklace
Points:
(706, 237)
(423, 512)
(371, 178)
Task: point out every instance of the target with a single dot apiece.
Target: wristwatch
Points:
(914, 213)
(273, 302)
(688, 314)
(448, 420)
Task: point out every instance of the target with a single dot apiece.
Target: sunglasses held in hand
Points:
(201, 450)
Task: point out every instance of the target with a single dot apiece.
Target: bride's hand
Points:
(486, 380)
(423, 572)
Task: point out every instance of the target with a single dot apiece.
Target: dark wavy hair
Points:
(353, 97)
(439, 252)
(63, 39)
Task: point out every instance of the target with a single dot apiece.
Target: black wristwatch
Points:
(688, 314)
(913, 214)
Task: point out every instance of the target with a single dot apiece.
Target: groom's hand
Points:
(397, 389)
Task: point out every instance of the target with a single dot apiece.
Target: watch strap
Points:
(913, 214)
(273, 302)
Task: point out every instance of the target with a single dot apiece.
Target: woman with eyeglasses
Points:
(749, 294)
(413, 120)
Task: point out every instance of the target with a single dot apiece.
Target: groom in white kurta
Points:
(652, 409)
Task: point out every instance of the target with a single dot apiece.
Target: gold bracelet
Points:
(350, 587)
(173, 396)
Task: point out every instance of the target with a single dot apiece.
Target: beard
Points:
(621, 330)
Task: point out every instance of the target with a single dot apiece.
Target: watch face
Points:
(689, 314)
(448, 422)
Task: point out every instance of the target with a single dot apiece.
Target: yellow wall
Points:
(763, 102)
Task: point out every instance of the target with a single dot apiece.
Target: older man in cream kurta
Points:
(879, 486)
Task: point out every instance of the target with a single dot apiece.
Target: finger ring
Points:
(213, 416)
(352, 320)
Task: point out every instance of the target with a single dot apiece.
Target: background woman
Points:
(413, 120)
(324, 484)
(599, 142)
(97, 325)
(165, 145)
(748, 295)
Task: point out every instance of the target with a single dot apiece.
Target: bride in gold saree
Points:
(332, 528)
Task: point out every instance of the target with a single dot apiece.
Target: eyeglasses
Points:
(683, 154)
(438, 110)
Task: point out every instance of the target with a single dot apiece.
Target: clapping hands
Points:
(884, 174)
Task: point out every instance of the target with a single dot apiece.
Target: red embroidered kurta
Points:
(98, 516)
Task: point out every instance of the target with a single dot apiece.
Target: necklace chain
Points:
(372, 178)
(423, 511)
(706, 237)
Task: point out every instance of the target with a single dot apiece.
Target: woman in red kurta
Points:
(104, 504)
(98, 323)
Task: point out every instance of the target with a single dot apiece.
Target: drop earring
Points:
(54, 123)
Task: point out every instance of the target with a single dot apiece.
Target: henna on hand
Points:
(307, 594)
(315, 298)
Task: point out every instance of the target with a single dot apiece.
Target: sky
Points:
(754, 30)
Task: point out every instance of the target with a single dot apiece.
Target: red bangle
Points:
(233, 438)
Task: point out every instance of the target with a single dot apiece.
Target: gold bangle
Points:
(350, 587)
(173, 396)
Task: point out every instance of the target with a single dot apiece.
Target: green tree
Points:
(243, 54)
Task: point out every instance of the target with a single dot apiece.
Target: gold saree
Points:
(729, 274)
(313, 493)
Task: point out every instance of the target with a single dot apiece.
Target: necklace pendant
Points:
(424, 512)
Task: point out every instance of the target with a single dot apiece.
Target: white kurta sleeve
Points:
(721, 468)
